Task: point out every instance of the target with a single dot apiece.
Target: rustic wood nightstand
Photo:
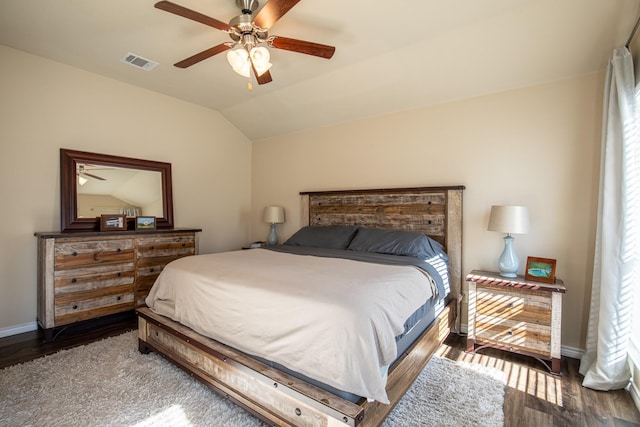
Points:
(516, 315)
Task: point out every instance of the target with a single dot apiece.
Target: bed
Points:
(385, 237)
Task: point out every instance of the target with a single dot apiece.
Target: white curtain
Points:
(604, 364)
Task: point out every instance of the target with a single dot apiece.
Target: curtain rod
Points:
(633, 33)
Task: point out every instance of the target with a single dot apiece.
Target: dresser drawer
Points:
(75, 306)
(96, 277)
(166, 246)
(71, 254)
(154, 252)
(518, 319)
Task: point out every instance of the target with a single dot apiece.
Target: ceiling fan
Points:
(249, 34)
(82, 172)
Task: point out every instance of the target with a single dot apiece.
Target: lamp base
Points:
(273, 236)
(509, 275)
(508, 263)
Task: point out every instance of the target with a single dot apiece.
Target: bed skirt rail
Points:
(271, 395)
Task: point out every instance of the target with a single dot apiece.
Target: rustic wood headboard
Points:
(434, 211)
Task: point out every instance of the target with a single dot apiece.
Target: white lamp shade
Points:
(509, 219)
(273, 215)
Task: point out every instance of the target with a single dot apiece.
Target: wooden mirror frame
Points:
(69, 191)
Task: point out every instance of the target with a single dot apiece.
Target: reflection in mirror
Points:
(95, 184)
(114, 190)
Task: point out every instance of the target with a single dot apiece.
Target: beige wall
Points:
(45, 106)
(537, 146)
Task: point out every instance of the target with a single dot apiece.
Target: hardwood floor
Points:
(533, 397)
(30, 345)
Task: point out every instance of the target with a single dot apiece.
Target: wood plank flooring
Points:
(533, 397)
(30, 345)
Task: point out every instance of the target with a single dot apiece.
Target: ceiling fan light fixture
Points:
(237, 58)
(260, 57)
(245, 70)
(82, 180)
(239, 61)
(261, 69)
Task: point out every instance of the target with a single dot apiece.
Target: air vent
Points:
(139, 62)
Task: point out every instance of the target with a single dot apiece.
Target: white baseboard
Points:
(572, 352)
(18, 329)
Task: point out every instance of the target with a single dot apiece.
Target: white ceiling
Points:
(390, 55)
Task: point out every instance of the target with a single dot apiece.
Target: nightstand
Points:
(516, 315)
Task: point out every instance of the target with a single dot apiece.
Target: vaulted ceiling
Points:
(390, 56)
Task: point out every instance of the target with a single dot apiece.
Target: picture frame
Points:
(540, 270)
(113, 222)
(145, 223)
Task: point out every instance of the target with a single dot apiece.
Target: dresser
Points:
(516, 315)
(85, 275)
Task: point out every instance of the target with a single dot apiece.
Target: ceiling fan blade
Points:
(272, 11)
(301, 46)
(176, 9)
(264, 78)
(94, 176)
(202, 56)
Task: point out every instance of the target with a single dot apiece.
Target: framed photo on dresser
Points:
(112, 222)
(145, 223)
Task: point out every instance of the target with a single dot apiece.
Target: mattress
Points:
(394, 302)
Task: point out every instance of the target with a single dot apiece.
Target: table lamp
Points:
(273, 215)
(510, 220)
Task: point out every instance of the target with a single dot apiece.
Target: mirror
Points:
(95, 184)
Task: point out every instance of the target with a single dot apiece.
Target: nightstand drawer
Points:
(520, 305)
(514, 318)
(514, 335)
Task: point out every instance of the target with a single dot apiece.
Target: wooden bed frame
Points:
(280, 399)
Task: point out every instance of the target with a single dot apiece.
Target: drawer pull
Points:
(119, 274)
(74, 280)
(75, 306)
(151, 270)
(184, 244)
(74, 253)
(152, 248)
(512, 304)
(118, 298)
(118, 250)
(509, 333)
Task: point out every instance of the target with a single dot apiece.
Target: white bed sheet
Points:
(333, 320)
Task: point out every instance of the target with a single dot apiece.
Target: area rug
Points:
(109, 383)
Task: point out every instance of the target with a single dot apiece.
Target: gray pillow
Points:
(328, 236)
(395, 242)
